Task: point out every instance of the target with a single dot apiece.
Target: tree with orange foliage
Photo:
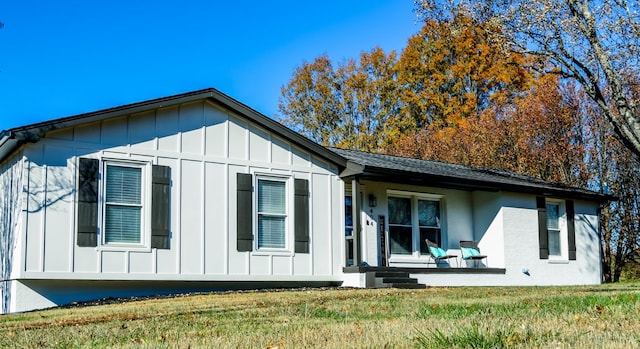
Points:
(352, 105)
(543, 135)
(448, 73)
(538, 135)
(451, 71)
(311, 102)
(593, 42)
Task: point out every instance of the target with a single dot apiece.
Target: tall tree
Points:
(612, 168)
(592, 41)
(353, 105)
(311, 102)
(448, 72)
(369, 95)
(451, 70)
(538, 134)
(541, 135)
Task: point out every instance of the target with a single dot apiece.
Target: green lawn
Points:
(480, 317)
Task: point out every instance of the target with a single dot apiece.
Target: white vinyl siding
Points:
(123, 204)
(272, 214)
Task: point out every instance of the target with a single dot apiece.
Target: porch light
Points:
(373, 202)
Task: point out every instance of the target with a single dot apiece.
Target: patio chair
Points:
(438, 254)
(471, 251)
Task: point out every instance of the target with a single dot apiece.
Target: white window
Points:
(123, 203)
(400, 226)
(348, 228)
(553, 229)
(429, 223)
(272, 213)
(412, 219)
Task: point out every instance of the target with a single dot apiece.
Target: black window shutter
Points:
(88, 170)
(543, 236)
(301, 216)
(571, 230)
(244, 212)
(160, 206)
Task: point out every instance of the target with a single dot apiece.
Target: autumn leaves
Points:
(453, 94)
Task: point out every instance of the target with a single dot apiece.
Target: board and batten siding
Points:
(12, 208)
(205, 146)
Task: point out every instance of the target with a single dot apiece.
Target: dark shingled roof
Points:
(397, 169)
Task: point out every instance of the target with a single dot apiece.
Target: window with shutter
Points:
(123, 204)
(272, 213)
(556, 229)
(112, 199)
(553, 229)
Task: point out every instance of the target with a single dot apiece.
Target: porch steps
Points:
(397, 279)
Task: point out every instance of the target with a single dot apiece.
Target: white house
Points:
(200, 192)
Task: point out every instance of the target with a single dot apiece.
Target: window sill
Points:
(123, 248)
(558, 261)
(268, 252)
(410, 259)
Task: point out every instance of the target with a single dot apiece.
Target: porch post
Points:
(355, 210)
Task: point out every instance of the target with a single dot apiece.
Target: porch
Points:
(412, 277)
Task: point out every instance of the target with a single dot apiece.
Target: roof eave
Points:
(8, 144)
(376, 173)
(85, 118)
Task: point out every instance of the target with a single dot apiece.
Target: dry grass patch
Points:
(601, 316)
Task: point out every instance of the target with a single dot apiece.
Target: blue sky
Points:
(61, 58)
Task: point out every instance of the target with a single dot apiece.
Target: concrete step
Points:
(401, 280)
(392, 274)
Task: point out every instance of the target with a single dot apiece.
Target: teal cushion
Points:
(437, 252)
(468, 252)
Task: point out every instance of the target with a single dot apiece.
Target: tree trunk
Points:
(606, 271)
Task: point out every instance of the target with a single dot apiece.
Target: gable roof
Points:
(397, 169)
(11, 139)
(370, 166)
